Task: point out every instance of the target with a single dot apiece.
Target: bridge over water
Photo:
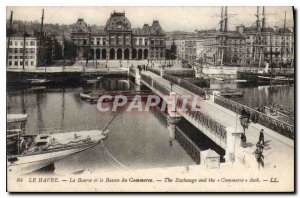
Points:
(219, 120)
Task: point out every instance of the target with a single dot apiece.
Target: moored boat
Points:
(16, 117)
(37, 81)
(38, 151)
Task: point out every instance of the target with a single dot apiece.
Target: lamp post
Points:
(245, 123)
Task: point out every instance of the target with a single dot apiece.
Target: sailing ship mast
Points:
(40, 41)
(271, 60)
(63, 50)
(257, 29)
(89, 47)
(8, 34)
(24, 49)
(222, 30)
(283, 44)
(261, 31)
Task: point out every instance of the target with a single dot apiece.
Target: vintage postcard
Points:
(150, 99)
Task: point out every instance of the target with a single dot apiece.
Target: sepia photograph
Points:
(150, 99)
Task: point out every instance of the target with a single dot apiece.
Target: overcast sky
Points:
(170, 18)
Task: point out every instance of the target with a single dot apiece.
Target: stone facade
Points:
(119, 40)
(15, 52)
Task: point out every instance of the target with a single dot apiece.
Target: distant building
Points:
(15, 52)
(180, 50)
(246, 46)
(258, 45)
(119, 40)
(191, 49)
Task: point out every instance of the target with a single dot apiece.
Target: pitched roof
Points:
(156, 28)
(80, 27)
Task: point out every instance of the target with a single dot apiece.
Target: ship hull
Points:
(29, 163)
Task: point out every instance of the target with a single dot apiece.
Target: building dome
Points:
(118, 22)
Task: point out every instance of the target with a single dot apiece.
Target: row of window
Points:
(21, 43)
(21, 57)
(231, 41)
(20, 63)
(112, 42)
(20, 50)
(276, 37)
(119, 40)
(273, 43)
(156, 55)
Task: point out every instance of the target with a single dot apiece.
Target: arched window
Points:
(113, 40)
(119, 53)
(112, 53)
(134, 41)
(126, 54)
(120, 40)
(127, 40)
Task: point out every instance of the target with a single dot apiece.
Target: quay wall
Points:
(60, 76)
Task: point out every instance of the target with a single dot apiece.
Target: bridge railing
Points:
(177, 72)
(146, 78)
(185, 84)
(191, 148)
(161, 88)
(279, 126)
(181, 72)
(213, 126)
(155, 84)
(156, 71)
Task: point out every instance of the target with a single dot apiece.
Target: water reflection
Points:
(264, 96)
(259, 96)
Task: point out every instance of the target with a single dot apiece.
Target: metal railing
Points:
(155, 84)
(161, 88)
(156, 71)
(213, 126)
(181, 72)
(177, 72)
(188, 145)
(185, 84)
(146, 78)
(278, 126)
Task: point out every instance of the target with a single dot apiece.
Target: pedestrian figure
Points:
(203, 95)
(261, 137)
(243, 113)
(243, 139)
(259, 157)
(248, 115)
